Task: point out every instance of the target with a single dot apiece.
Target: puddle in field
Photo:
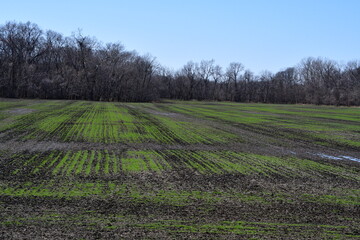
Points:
(329, 156)
(338, 157)
(351, 158)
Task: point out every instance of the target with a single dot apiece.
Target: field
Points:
(88, 170)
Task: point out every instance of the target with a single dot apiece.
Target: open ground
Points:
(81, 169)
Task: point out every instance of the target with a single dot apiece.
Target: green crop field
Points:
(174, 169)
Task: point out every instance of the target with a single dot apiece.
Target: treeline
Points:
(45, 64)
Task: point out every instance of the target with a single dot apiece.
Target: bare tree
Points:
(190, 72)
(233, 73)
(34, 63)
(216, 77)
(22, 45)
(205, 72)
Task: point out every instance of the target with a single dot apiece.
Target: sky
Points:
(261, 34)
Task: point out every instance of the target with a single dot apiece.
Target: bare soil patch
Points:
(20, 111)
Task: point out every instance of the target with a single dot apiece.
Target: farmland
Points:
(174, 169)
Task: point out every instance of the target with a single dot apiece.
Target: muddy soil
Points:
(20, 111)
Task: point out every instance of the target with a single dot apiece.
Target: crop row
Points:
(104, 163)
(111, 123)
(320, 125)
(87, 162)
(46, 120)
(170, 130)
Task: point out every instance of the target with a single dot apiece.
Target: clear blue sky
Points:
(261, 34)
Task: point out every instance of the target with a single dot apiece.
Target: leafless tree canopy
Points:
(38, 64)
